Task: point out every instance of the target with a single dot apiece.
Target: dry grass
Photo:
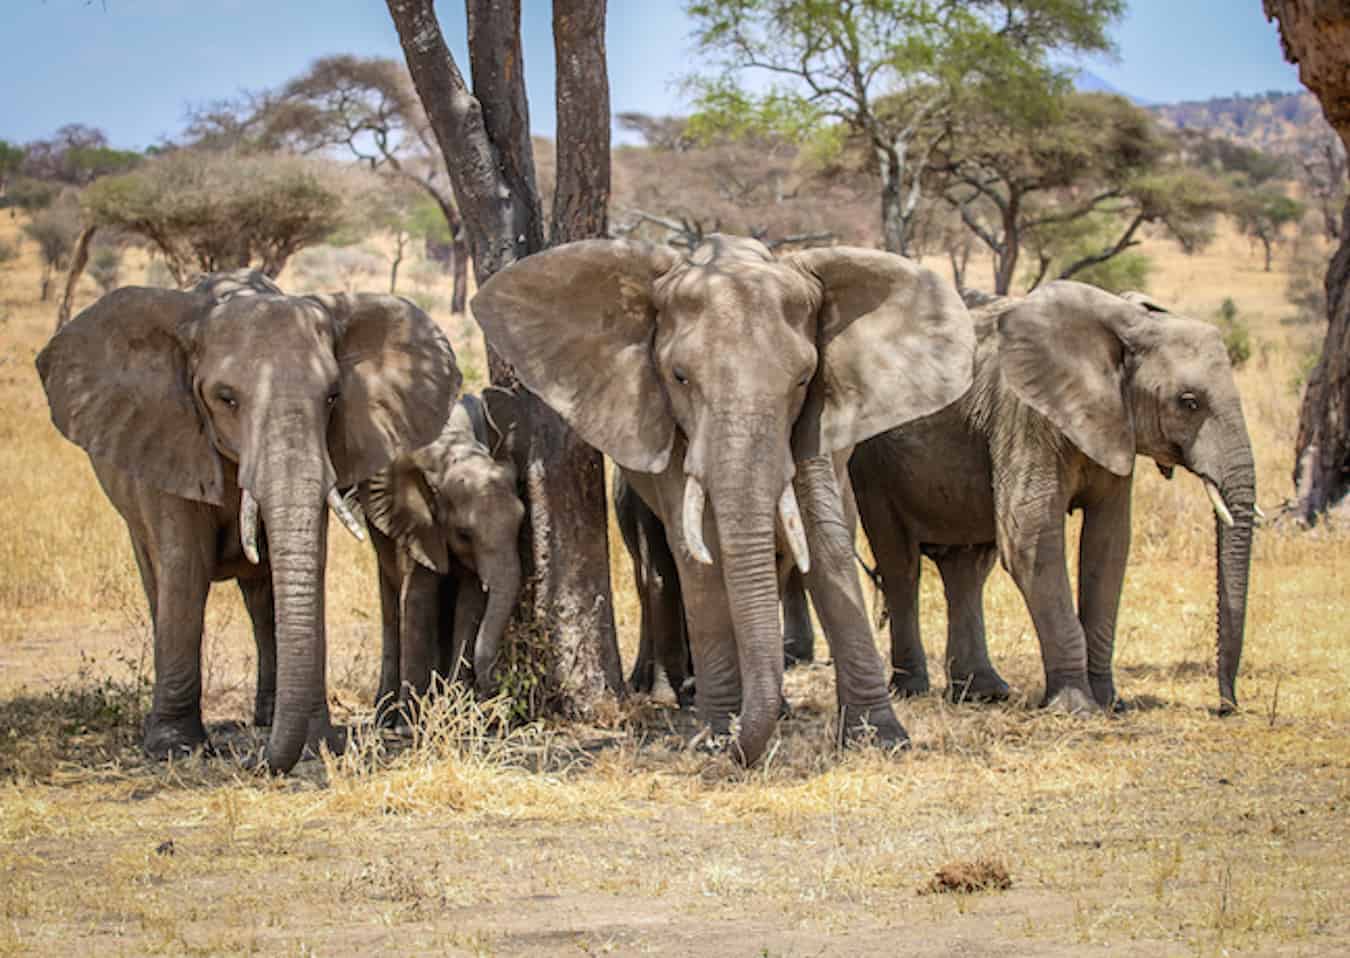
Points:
(1165, 830)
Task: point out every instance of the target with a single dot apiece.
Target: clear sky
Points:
(131, 67)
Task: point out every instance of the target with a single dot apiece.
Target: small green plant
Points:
(1236, 337)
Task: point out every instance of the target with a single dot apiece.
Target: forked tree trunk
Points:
(485, 139)
(1316, 36)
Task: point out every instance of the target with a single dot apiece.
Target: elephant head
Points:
(1120, 376)
(456, 499)
(292, 395)
(748, 362)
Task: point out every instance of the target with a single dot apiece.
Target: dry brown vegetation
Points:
(1163, 831)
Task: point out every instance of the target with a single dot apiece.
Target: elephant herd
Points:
(755, 406)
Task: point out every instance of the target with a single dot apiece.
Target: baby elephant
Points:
(445, 523)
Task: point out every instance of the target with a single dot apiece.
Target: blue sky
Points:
(132, 66)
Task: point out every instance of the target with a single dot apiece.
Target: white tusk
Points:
(248, 525)
(693, 521)
(1257, 509)
(344, 514)
(1216, 500)
(792, 528)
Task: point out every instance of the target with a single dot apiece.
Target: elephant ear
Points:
(895, 343)
(576, 322)
(1144, 300)
(398, 381)
(119, 385)
(400, 503)
(1062, 351)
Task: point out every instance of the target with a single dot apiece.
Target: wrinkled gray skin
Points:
(663, 641)
(733, 379)
(186, 399)
(1070, 384)
(445, 523)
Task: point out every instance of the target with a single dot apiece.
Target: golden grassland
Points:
(1162, 831)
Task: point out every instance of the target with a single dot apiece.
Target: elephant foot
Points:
(1104, 692)
(642, 678)
(684, 694)
(872, 725)
(1071, 699)
(174, 738)
(982, 685)
(908, 685)
(331, 737)
(798, 651)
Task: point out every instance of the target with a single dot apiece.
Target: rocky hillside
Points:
(1277, 122)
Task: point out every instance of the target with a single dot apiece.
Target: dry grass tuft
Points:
(983, 874)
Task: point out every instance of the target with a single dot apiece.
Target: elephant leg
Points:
(386, 699)
(257, 594)
(470, 604)
(860, 683)
(799, 636)
(970, 674)
(1103, 552)
(664, 618)
(1037, 565)
(712, 644)
(418, 614)
(174, 725)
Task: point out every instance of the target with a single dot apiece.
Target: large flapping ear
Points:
(577, 322)
(506, 414)
(895, 344)
(1062, 351)
(400, 503)
(398, 381)
(119, 385)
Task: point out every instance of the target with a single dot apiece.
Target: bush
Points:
(1236, 336)
(105, 267)
(8, 252)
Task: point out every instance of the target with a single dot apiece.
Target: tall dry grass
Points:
(1163, 831)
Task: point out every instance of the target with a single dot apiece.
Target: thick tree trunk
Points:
(484, 136)
(1316, 35)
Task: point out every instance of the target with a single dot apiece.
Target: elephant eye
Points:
(680, 376)
(1189, 401)
(227, 398)
(333, 397)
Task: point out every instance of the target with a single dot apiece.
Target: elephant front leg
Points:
(970, 674)
(470, 605)
(256, 591)
(799, 636)
(387, 559)
(1103, 552)
(864, 704)
(712, 644)
(174, 725)
(419, 622)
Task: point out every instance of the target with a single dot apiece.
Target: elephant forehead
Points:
(751, 292)
(270, 322)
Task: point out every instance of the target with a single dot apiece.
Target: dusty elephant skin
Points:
(220, 421)
(1070, 384)
(446, 530)
(735, 380)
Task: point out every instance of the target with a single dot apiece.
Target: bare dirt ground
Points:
(1162, 831)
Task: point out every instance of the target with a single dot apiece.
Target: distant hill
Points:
(1088, 82)
(1275, 122)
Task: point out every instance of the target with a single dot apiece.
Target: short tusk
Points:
(1257, 509)
(345, 515)
(248, 525)
(693, 521)
(1216, 500)
(792, 528)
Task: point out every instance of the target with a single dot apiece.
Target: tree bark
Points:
(1315, 34)
(565, 603)
(78, 261)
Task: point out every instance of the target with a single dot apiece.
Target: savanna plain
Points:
(1164, 830)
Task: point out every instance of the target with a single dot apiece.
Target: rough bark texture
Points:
(484, 135)
(1316, 35)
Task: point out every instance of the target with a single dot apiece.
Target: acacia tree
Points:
(1316, 35)
(886, 70)
(484, 136)
(1043, 176)
(1262, 214)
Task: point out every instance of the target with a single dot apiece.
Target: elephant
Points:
(446, 530)
(663, 633)
(220, 421)
(731, 377)
(1071, 383)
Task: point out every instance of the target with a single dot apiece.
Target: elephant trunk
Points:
(744, 493)
(501, 577)
(1233, 553)
(295, 515)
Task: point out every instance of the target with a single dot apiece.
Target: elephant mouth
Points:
(789, 517)
(248, 521)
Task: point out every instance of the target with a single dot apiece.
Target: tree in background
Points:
(832, 66)
(484, 137)
(55, 230)
(1323, 168)
(1316, 35)
(11, 158)
(1075, 178)
(1262, 214)
(76, 155)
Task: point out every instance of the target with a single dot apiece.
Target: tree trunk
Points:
(484, 136)
(1315, 34)
(78, 261)
(459, 273)
(893, 236)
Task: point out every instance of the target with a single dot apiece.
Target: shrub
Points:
(1236, 336)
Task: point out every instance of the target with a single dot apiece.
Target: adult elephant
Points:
(205, 411)
(749, 377)
(1071, 383)
(446, 530)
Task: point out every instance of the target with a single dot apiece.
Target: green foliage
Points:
(427, 221)
(1236, 336)
(105, 266)
(1071, 241)
(29, 194)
